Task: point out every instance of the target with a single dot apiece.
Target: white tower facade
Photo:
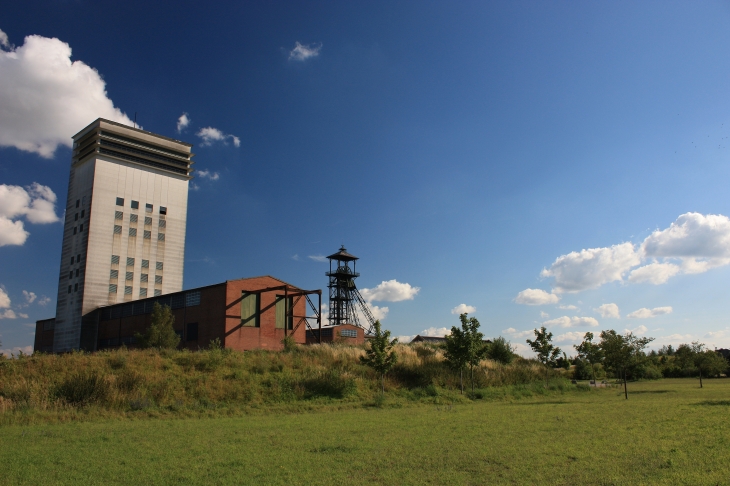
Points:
(124, 232)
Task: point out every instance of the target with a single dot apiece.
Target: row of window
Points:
(250, 311)
(133, 218)
(83, 211)
(147, 235)
(141, 307)
(113, 289)
(114, 274)
(135, 205)
(80, 228)
(130, 262)
(81, 202)
(78, 259)
(75, 288)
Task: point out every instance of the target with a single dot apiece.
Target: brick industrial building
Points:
(244, 314)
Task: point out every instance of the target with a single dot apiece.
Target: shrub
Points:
(83, 389)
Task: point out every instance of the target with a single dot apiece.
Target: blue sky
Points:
(513, 157)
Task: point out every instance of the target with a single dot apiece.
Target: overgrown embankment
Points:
(138, 383)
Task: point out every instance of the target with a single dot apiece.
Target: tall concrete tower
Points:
(124, 232)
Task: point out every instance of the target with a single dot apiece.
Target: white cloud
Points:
(609, 311)
(544, 315)
(645, 313)
(574, 321)
(211, 135)
(536, 297)
(379, 313)
(8, 314)
(30, 297)
(183, 122)
(4, 41)
(654, 273)
(570, 337)
(567, 307)
(302, 52)
(514, 333)
(589, 269)
(718, 334)
(37, 203)
(295, 258)
(4, 299)
(318, 258)
(16, 350)
(44, 301)
(206, 174)
(692, 235)
(463, 309)
(45, 98)
(390, 291)
(638, 331)
(436, 332)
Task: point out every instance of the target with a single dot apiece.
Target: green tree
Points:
(547, 354)
(465, 347)
(590, 351)
(161, 333)
(380, 355)
(623, 354)
(708, 362)
(501, 351)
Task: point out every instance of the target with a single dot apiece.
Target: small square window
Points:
(72, 260)
(148, 235)
(129, 276)
(132, 218)
(114, 274)
(158, 292)
(160, 236)
(81, 228)
(163, 223)
(127, 290)
(158, 279)
(143, 292)
(69, 289)
(192, 298)
(132, 231)
(130, 262)
(78, 201)
(76, 287)
(147, 220)
(192, 331)
(120, 201)
(135, 204)
(112, 288)
(77, 272)
(74, 230)
(70, 274)
(82, 212)
(145, 264)
(118, 215)
(163, 210)
(148, 208)
(78, 258)
(117, 229)
(115, 259)
(143, 277)
(158, 265)
(77, 217)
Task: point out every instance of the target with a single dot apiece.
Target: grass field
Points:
(668, 432)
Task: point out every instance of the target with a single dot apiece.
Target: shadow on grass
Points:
(715, 403)
(639, 392)
(552, 402)
(332, 448)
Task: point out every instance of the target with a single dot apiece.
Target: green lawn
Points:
(668, 432)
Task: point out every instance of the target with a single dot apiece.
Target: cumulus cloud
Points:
(608, 310)
(463, 309)
(4, 299)
(567, 307)
(638, 331)
(36, 203)
(536, 297)
(206, 174)
(589, 269)
(435, 332)
(30, 297)
(8, 314)
(16, 351)
(44, 301)
(45, 98)
(318, 258)
(655, 273)
(4, 41)
(645, 313)
(722, 333)
(514, 333)
(544, 315)
(390, 291)
(183, 122)
(574, 321)
(379, 313)
(302, 52)
(211, 135)
(692, 235)
(570, 337)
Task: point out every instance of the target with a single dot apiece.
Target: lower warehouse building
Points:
(244, 314)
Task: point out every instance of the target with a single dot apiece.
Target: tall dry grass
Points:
(125, 382)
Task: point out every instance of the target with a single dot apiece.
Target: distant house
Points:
(725, 353)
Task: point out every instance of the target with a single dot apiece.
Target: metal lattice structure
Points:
(346, 305)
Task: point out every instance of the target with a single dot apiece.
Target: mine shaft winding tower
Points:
(345, 299)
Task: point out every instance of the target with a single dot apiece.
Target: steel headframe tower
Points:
(344, 296)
